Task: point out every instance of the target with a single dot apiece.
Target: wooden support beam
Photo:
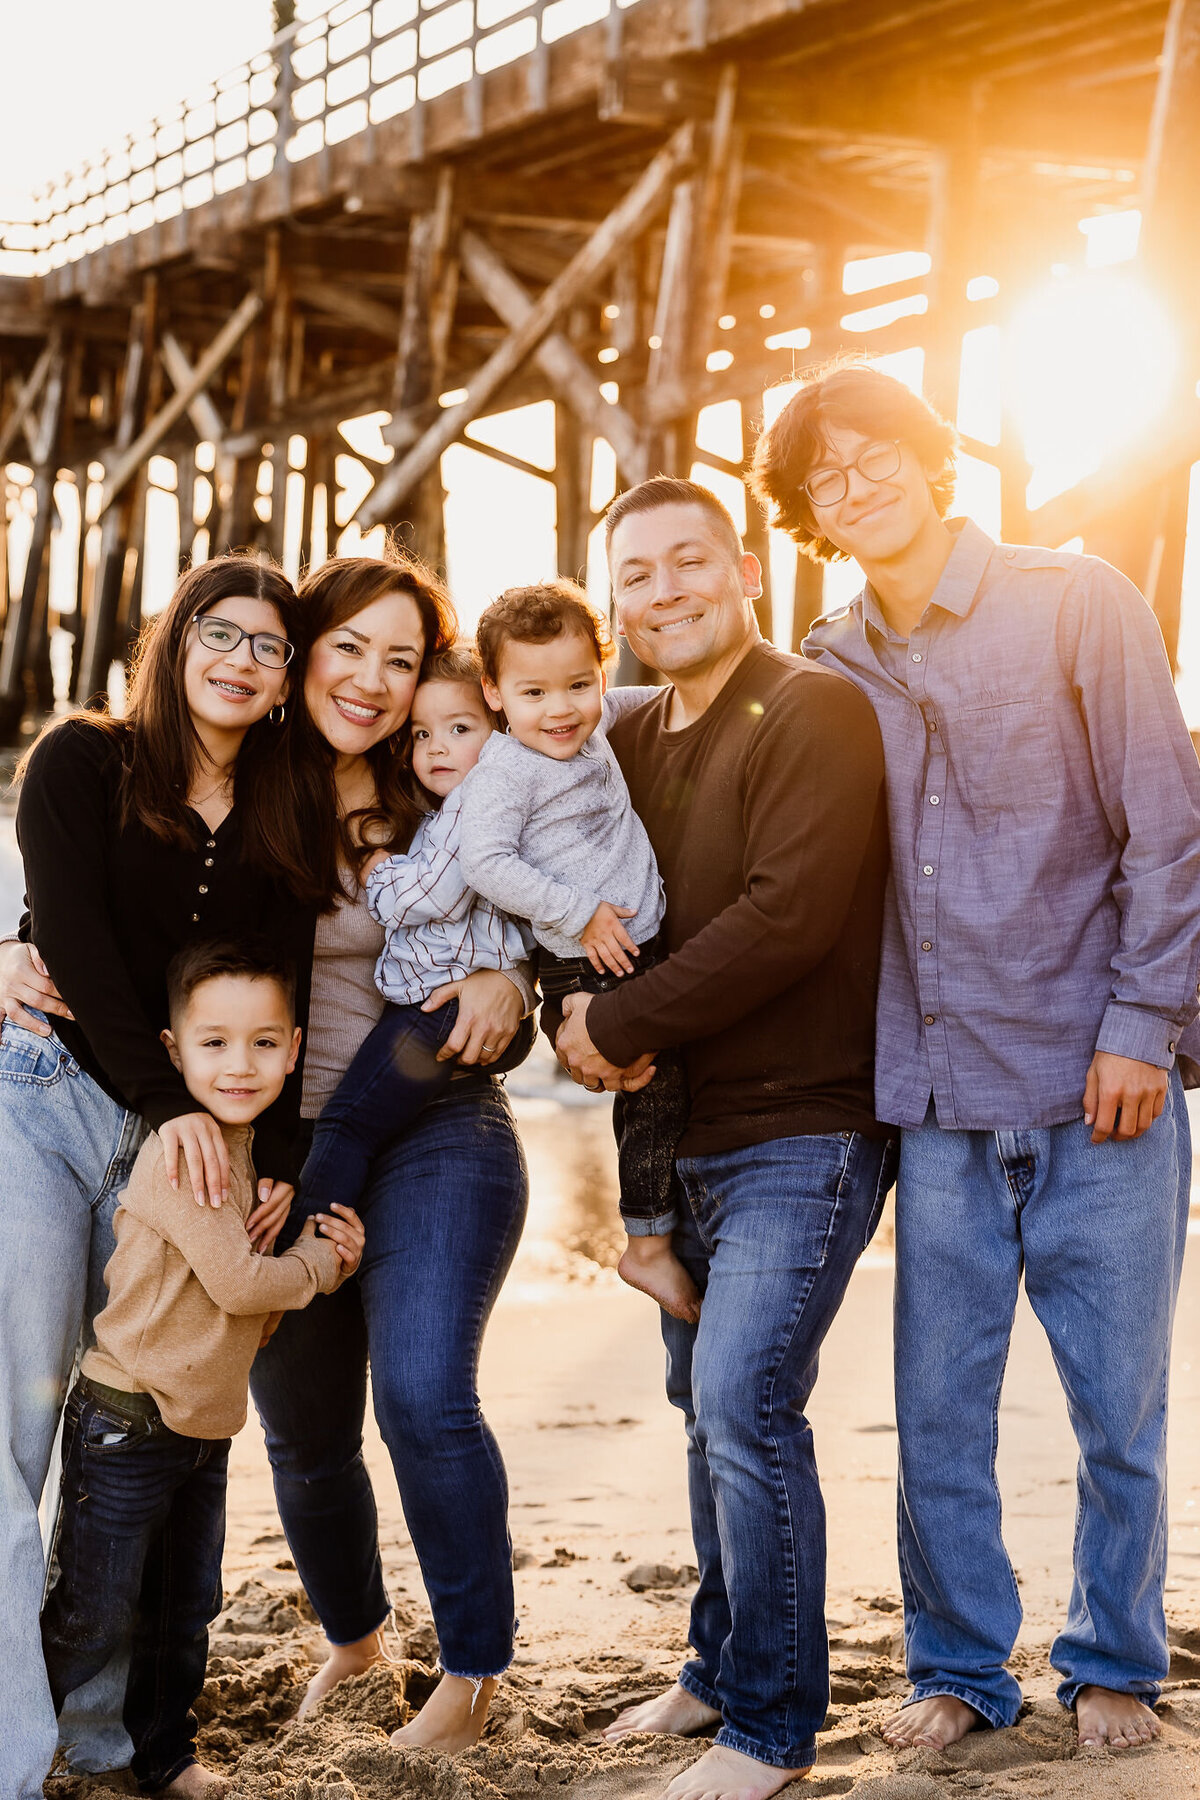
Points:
(18, 624)
(623, 224)
(207, 421)
(231, 334)
(27, 398)
(350, 306)
(506, 457)
(573, 517)
(104, 600)
(953, 221)
(562, 365)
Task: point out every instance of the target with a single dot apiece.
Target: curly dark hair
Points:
(535, 615)
(847, 394)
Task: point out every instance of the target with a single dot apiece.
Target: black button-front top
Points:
(108, 906)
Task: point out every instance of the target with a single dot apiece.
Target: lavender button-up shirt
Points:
(1044, 804)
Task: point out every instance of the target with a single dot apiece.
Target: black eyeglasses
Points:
(269, 651)
(878, 462)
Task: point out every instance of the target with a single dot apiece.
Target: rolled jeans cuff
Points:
(997, 1717)
(1149, 1693)
(661, 1225)
(698, 1690)
(340, 1643)
(794, 1757)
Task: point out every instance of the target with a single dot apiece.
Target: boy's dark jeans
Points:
(139, 1546)
(393, 1077)
(648, 1124)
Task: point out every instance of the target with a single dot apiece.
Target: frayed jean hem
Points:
(801, 1757)
(662, 1225)
(987, 1709)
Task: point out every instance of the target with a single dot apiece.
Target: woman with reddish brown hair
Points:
(138, 835)
(446, 1202)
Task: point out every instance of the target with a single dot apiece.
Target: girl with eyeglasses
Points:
(139, 835)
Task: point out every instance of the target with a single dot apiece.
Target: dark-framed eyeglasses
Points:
(878, 462)
(268, 650)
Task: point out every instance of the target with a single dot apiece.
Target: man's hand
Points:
(584, 1063)
(608, 944)
(273, 1322)
(1121, 1084)
(490, 1008)
(270, 1215)
(344, 1229)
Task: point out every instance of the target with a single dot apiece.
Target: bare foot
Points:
(196, 1781)
(675, 1714)
(343, 1660)
(933, 1724)
(725, 1774)
(452, 1718)
(650, 1265)
(1121, 1721)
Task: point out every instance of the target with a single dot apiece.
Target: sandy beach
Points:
(572, 1383)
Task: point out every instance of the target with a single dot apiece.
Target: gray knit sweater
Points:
(547, 841)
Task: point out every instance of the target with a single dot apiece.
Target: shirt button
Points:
(927, 945)
(934, 800)
(930, 1019)
(203, 889)
(211, 844)
(916, 656)
(928, 869)
(208, 862)
(933, 725)
(195, 918)
(1171, 1047)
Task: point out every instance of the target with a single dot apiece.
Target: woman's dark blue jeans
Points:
(446, 1204)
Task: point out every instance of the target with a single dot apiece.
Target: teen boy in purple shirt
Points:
(1040, 964)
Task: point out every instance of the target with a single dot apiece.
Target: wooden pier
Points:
(448, 208)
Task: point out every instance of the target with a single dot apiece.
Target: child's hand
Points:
(608, 944)
(372, 863)
(271, 1326)
(346, 1234)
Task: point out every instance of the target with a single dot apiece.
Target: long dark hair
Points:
(161, 750)
(330, 597)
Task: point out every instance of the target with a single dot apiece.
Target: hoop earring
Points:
(281, 708)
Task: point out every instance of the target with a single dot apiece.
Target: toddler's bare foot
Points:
(196, 1783)
(674, 1714)
(1121, 1721)
(725, 1774)
(650, 1265)
(343, 1660)
(452, 1718)
(933, 1724)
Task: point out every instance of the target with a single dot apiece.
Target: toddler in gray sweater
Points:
(549, 834)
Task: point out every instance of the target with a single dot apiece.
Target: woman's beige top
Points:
(345, 1003)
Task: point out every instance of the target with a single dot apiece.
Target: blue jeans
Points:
(775, 1232)
(446, 1204)
(1099, 1230)
(139, 1548)
(67, 1153)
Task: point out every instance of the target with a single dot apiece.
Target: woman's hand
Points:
(25, 981)
(270, 1215)
(489, 1010)
(197, 1138)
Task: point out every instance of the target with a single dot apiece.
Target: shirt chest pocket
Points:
(1003, 756)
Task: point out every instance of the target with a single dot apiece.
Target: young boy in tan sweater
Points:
(148, 1424)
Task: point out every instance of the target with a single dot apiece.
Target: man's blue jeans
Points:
(1100, 1231)
(67, 1153)
(139, 1551)
(774, 1233)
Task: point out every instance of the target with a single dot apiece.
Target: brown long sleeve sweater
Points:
(188, 1296)
(768, 819)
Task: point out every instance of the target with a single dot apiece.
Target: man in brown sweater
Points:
(759, 779)
(163, 1389)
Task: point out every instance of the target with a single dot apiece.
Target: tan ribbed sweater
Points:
(188, 1296)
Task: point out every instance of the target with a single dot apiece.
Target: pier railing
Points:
(318, 83)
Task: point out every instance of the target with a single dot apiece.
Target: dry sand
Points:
(572, 1384)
